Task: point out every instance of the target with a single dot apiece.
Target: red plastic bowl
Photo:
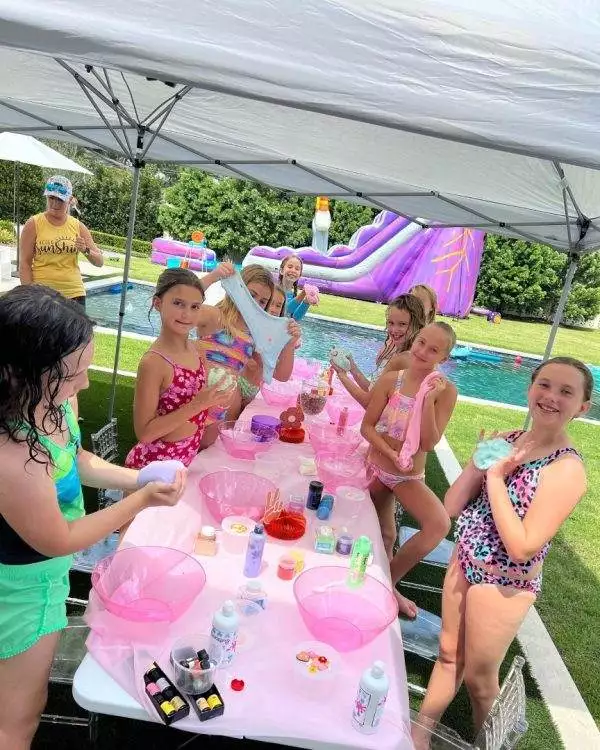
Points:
(344, 618)
(148, 584)
(235, 493)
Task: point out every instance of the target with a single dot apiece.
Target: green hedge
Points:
(116, 242)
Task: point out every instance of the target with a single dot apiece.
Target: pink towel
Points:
(412, 441)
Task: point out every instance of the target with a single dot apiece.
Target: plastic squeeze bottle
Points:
(370, 699)
(224, 631)
(254, 552)
(361, 551)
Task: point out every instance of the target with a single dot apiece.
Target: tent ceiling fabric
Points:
(435, 110)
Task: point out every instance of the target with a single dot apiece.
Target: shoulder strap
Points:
(163, 356)
(72, 423)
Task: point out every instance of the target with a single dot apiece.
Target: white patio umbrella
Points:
(24, 149)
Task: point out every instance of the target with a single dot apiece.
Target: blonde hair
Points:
(448, 330)
(230, 315)
(433, 300)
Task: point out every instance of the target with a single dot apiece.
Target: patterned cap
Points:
(59, 187)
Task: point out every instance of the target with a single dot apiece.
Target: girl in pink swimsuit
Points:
(507, 517)
(171, 396)
(385, 426)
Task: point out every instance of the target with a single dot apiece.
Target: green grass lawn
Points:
(510, 334)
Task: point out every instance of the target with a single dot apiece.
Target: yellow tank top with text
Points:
(55, 257)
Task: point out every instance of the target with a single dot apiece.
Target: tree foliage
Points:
(31, 187)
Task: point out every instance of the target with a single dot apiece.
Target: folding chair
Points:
(105, 444)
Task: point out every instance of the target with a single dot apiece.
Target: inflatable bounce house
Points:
(387, 258)
(194, 254)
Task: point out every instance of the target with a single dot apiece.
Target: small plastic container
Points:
(190, 676)
(252, 593)
(350, 503)
(286, 568)
(235, 533)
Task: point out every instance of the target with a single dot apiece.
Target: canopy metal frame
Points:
(122, 122)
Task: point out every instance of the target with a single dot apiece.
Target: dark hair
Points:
(175, 277)
(414, 307)
(282, 266)
(588, 378)
(38, 329)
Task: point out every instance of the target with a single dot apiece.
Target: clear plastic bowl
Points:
(281, 394)
(240, 442)
(336, 404)
(194, 680)
(306, 368)
(347, 619)
(235, 493)
(148, 584)
(325, 439)
(337, 471)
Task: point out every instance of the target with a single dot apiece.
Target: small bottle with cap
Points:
(224, 631)
(253, 591)
(370, 699)
(206, 542)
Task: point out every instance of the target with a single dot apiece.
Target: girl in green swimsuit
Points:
(46, 348)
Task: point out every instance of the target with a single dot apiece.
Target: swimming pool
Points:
(504, 381)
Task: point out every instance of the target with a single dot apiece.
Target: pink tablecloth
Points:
(276, 703)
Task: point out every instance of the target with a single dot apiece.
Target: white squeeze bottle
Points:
(370, 699)
(224, 631)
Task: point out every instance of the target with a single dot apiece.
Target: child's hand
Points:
(438, 385)
(312, 294)
(224, 270)
(159, 493)
(219, 394)
(294, 330)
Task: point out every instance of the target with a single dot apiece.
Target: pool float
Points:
(193, 255)
(460, 352)
(476, 355)
(118, 288)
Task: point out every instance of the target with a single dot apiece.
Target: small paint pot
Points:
(286, 568)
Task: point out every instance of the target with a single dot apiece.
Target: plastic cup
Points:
(193, 679)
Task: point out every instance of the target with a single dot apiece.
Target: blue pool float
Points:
(117, 288)
(460, 352)
(476, 355)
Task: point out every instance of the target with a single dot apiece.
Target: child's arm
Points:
(464, 489)
(357, 393)
(285, 362)
(380, 395)
(40, 523)
(152, 373)
(298, 307)
(222, 271)
(398, 362)
(210, 321)
(363, 382)
(438, 406)
(96, 472)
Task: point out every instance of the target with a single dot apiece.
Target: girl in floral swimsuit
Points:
(507, 517)
(171, 397)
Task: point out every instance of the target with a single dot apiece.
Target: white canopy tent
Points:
(449, 114)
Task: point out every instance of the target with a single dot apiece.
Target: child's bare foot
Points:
(406, 607)
(421, 737)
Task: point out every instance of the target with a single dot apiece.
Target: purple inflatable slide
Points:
(387, 258)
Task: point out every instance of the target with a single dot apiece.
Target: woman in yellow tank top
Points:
(51, 243)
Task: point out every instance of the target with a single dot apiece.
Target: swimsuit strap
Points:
(163, 356)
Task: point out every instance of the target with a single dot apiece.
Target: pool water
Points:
(504, 381)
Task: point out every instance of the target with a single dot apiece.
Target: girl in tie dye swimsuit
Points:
(229, 348)
(507, 517)
(171, 396)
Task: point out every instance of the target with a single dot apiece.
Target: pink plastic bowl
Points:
(240, 442)
(281, 394)
(324, 439)
(345, 618)
(335, 406)
(336, 471)
(306, 368)
(148, 584)
(235, 493)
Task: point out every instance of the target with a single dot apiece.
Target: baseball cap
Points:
(59, 187)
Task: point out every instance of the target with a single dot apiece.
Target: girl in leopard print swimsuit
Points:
(507, 517)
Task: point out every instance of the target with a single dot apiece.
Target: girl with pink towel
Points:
(406, 417)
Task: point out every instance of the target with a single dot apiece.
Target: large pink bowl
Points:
(235, 493)
(335, 405)
(336, 471)
(240, 442)
(148, 584)
(345, 618)
(305, 368)
(325, 439)
(281, 394)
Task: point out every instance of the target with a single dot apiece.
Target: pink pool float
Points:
(235, 493)
(148, 584)
(241, 442)
(345, 618)
(336, 470)
(326, 438)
